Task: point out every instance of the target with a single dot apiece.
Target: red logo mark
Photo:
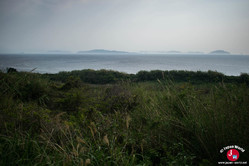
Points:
(232, 155)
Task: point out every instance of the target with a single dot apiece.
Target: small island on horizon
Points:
(102, 51)
(220, 52)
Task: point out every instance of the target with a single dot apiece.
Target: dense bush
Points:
(118, 98)
(72, 82)
(91, 76)
(107, 76)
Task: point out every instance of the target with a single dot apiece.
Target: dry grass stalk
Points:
(128, 119)
(83, 150)
(94, 127)
(81, 162)
(80, 140)
(105, 140)
(87, 162)
(58, 117)
(92, 132)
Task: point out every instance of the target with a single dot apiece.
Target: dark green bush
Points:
(72, 82)
(118, 98)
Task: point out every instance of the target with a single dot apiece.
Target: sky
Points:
(126, 25)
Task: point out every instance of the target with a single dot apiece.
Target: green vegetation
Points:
(109, 118)
(107, 76)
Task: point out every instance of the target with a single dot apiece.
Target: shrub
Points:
(118, 98)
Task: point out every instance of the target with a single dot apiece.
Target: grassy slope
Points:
(125, 123)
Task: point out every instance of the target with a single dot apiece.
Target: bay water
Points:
(128, 63)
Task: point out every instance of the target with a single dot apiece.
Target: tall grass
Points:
(148, 123)
(202, 120)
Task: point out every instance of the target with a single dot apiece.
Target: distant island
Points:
(220, 52)
(102, 51)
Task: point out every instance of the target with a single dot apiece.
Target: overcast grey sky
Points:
(128, 25)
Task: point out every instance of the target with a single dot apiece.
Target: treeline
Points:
(91, 76)
(109, 76)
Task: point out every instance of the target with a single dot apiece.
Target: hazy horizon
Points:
(120, 52)
(126, 25)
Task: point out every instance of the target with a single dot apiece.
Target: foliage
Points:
(108, 76)
(60, 119)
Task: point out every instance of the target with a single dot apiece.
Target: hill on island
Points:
(219, 52)
(102, 51)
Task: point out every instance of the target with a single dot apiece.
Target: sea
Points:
(128, 63)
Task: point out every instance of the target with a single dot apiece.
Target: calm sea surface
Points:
(45, 63)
